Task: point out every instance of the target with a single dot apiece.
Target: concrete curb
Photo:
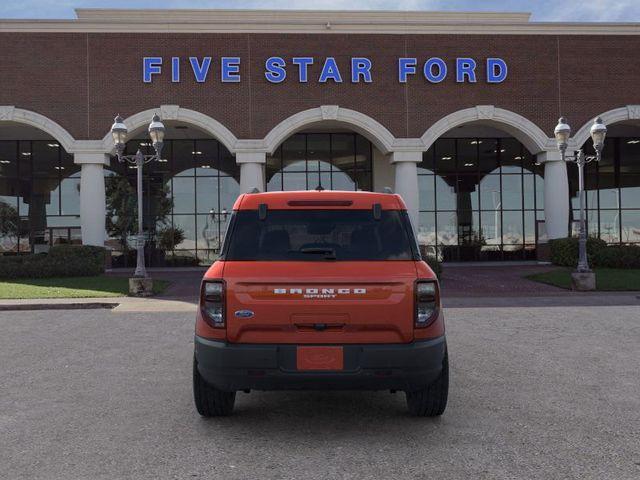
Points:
(57, 306)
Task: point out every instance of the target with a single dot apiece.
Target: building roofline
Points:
(311, 22)
(286, 15)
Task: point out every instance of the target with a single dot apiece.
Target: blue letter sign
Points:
(275, 69)
(175, 69)
(406, 66)
(496, 70)
(360, 67)
(200, 71)
(151, 66)
(303, 67)
(465, 67)
(434, 69)
(442, 70)
(330, 71)
(230, 69)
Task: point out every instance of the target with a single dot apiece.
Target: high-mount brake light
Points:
(212, 303)
(319, 203)
(427, 303)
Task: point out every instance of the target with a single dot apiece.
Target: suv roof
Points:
(324, 199)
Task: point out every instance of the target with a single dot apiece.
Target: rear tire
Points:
(432, 400)
(210, 402)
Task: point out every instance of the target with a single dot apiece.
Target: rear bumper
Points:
(232, 367)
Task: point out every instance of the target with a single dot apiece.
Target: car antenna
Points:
(319, 188)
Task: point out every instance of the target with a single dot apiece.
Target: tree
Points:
(122, 209)
(169, 237)
(9, 221)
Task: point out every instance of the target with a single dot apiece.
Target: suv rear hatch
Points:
(319, 276)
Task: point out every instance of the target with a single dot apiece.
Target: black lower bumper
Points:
(232, 367)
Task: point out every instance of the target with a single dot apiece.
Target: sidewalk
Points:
(172, 304)
(117, 304)
(494, 280)
(463, 286)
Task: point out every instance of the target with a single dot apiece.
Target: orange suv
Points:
(320, 290)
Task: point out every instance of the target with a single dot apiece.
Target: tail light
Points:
(427, 303)
(212, 303)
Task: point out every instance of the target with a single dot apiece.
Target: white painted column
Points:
(556, 194)
(92, 197)
(406, 182)
(251, 170)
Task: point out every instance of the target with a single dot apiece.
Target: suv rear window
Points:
(319, 235)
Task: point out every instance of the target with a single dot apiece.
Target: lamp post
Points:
(210, 232)
(598, 133)
(119, 133)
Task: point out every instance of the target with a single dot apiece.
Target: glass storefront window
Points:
(512, 228)
(610, 226)
(630, 224)
(529, 191)
(630, 191)
(426, 185)
(445, 195)
(512, 192)
(427, 229)
(447, 228)
(477, 201)
(445, 156)
(200, 178)
(335, 161)
(490, 192)
(206, 195)
(511, 156)
(612, 190)
(70, 195)
(39, 195)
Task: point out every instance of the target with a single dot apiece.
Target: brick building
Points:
(454, 111)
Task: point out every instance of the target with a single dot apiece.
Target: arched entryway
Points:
(332, 159)
(329, 147)
(481, 196)
(39, 184)
(613, 185)
(482, 187)
(188, 197)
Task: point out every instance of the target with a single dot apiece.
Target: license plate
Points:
(320, 358)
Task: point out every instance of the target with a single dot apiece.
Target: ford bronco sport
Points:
(320, 290)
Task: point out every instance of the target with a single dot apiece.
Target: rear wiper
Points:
(329, 253)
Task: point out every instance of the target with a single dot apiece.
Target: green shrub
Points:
(564, 251)
(181, 261)
(169, 238)
(61, 261)
(618, 256)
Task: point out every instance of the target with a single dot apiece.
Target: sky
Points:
(543, 10)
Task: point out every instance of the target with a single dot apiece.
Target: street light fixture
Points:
(119, 133)
(598, 133)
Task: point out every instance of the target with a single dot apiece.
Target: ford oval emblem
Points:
(244, 313)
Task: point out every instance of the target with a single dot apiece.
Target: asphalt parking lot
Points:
(549, 392)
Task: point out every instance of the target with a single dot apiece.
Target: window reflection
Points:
(477, 202)
(630, 223)
(612, 191)
(39, 196)
(334, 161)
(201, 180)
